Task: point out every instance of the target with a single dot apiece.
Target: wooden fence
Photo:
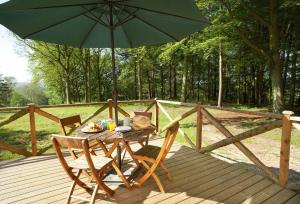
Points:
(285, 121)
(33, 109)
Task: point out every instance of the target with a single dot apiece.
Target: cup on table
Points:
(126, 121)
(111, 125)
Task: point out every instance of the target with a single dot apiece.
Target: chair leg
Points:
(142, 144)
(94, 194)
(147, 141)
(93, 152)
(71, 190)
(103, 185)
(121, 175)
(145, 177)
(106, 189)
(165, 170)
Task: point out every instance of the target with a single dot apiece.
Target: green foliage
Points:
(32, 92)
(18, 99)
(72, 75)
(6, 88)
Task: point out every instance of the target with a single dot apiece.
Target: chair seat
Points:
(81, 163)
(148, 151)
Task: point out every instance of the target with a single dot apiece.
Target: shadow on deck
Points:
(197, 178)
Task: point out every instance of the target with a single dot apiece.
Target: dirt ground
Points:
(264, 146)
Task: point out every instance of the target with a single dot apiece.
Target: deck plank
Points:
(263, 195)
(294, 200)
(197, 178)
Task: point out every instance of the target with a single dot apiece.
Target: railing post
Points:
(31, 108)
(156, 116)
(285, 148)
(199, 129)
(110, 108)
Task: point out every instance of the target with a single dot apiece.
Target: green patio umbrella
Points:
(103, 23)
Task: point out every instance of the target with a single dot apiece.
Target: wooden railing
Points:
(285, 120)
(33, 109)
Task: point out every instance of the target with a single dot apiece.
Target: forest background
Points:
(248, 55)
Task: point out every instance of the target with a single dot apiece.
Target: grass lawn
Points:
(17, 133)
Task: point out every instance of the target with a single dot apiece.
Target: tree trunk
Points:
(98, 72)
(253, 84)
(67, 80)
(184, 80)
(258, 85)
(293, 78)
(88, 61)
(174, 82)
(149, 85)
(162, 83)
(198, 86)
(275, 62)
(135, 80)
(139, 80)
(192, 80)
(67, 85)
(209, 87)
(238, 98)
(285, 71)
(170, 82)
(215, 68)
(154, 85)
(220, 76)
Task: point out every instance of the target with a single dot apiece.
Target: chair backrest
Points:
(168, 141)
(69, 121)
(79, 143)
(146, 114)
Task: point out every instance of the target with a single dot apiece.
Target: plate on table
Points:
(87, 129)
(123, 129)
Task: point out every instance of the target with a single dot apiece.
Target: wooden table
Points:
(117, 139)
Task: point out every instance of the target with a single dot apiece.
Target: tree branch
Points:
(243, 35)
(255, 15)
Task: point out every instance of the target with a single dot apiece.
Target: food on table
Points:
(92, 127)
(95, 126)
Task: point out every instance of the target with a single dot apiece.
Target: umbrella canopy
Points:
(103, 23)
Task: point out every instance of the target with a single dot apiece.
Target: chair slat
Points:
(70, 142)
(70, 122)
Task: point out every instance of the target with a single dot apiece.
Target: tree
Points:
(6, 88)
(265, 14)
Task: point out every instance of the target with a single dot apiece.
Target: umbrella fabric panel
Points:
(26, 23)
(100, 37)
(69, 22)
(144, 34)
(173, 27)
(73, 32)
(37, 4)
(184, 8)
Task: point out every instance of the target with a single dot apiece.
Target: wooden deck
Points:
(196, 179)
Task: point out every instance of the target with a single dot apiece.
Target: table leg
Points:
(119, 153)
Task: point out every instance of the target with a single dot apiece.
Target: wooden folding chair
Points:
(72, 121)
(96, 165)
(155, 156)
(145, 137)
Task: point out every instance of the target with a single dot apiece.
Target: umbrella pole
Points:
(113, 60)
